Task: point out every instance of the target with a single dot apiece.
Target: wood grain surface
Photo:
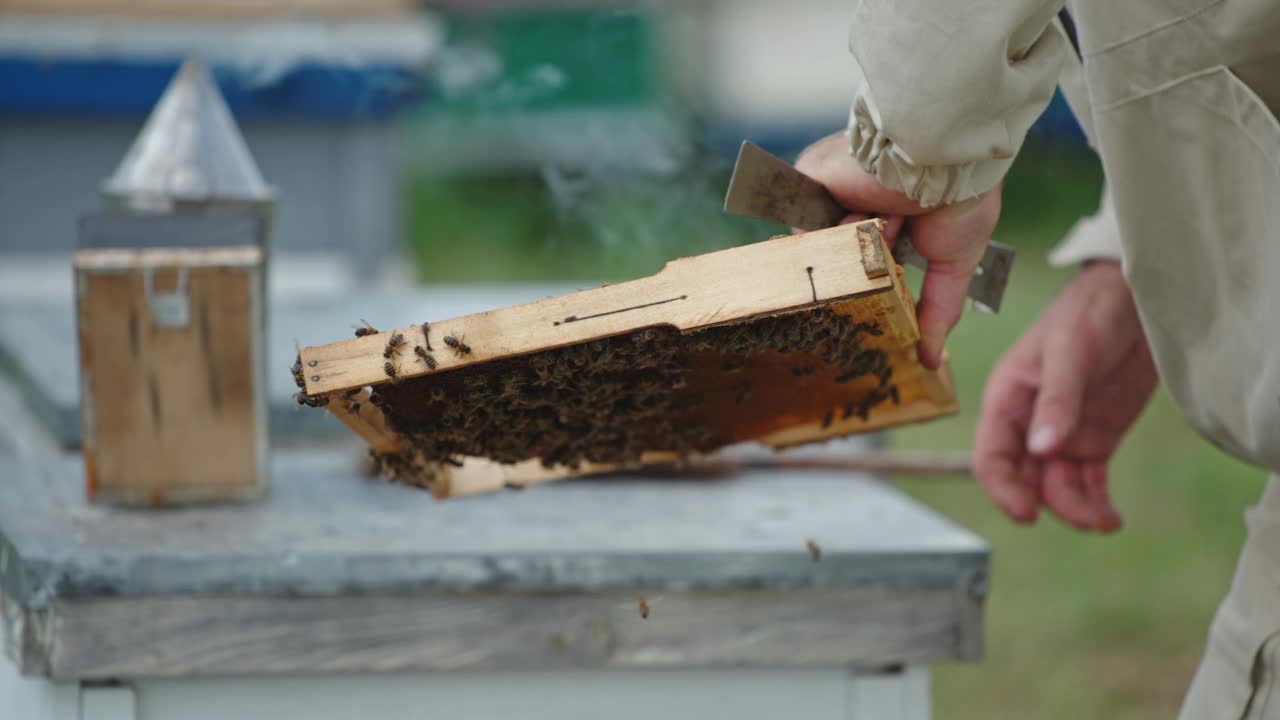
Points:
(168, 636)
(171, 412)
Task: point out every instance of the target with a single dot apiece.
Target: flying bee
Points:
(425, 357)
(365, 329)
(644, 608)
(815, 552)
(460, 348)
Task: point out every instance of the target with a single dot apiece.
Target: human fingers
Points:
(942, 299)
(1064, 377)
(952, 239)
(1000, 444)
(1093, 476)
(1065, 496)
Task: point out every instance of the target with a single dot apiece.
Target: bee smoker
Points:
(170, 281)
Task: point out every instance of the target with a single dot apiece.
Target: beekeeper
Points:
(1180, 265)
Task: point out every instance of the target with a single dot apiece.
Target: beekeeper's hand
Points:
(1059, 402)
(952, 238)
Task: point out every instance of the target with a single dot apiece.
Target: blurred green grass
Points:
(1078, 626)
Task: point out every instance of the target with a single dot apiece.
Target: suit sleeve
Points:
(1096, 237)
(945, 91)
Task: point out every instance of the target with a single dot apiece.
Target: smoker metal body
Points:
(171, 311)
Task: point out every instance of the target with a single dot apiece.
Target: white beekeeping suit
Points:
(1179, 98)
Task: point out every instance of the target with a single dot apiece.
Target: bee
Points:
(644, 608)
(864, 407)
(393, 346)
(849, 376)
(298, 377)
(462, 349)
(312, 402)
(389, 368)
(815, 552)
(828, 418)
(365, 329)
(425, 357)
(426, 336)
(886, 374)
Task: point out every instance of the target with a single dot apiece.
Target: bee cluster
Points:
(601, 401)
(408, 468)
(299, 379)
(610, 400)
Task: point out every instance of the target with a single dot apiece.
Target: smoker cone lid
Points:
(190, 150)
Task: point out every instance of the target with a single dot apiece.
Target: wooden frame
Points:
(844, 269)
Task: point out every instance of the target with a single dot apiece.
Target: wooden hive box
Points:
(173, 398)
(790, 341)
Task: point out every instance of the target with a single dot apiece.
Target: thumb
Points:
(1063, 379)
(828, 161)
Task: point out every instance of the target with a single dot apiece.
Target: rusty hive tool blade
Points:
(766, 187)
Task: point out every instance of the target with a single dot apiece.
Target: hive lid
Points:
(190, 150)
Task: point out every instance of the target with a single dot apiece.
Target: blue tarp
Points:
(130, 89)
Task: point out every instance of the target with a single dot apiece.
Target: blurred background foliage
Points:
(567, 146)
